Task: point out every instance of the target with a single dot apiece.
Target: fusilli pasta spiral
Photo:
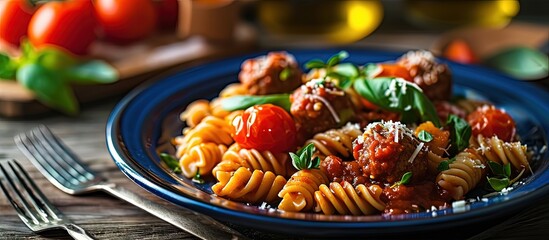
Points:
(346, 199)
(246, 186)
(496, 150)
(336, 141)
(201, 159)
(298, 193)
(463, 174)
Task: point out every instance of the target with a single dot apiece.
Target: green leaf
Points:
(521, 62)
(48, 87)
(445, 165)
(425, 136)
(285, 74)
(405, 98)
(405, 179)
(8, 67)
(315, 63)
(337, 58)
(498, 184)
(303, 158)
(496, 168)
(460, 133)
(370, 69)
(345, 73)
(245, 101)
(54, 59)
(507, 169)
(95, 71)
(172, 163)
(27, 50)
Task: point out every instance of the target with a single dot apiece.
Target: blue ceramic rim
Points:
(118, 153)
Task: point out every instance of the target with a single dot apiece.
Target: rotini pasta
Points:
(195, 112)
(336, 141)
(496, 150)
(298, 193)
(201, 159)
(463, 174)
(210, 129)
(346, 199)
(246, 186)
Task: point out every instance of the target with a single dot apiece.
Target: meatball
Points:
(387, 150)
(277, 72)
(433, 78)
(318, 106)
(338, 170)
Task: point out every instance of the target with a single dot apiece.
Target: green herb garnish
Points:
(460, 133)
(285, 74)
(171, 162)
(405, 179)
(198, 178)
(398, 95)
(303, 159)
(425, 136)
(48, 73)
(501, 177)
(445, 165)
(241, 102)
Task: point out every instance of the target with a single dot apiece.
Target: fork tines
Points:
(27, 199)
(56, 161)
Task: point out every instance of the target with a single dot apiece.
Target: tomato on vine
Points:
(15, 16)
(491, 121)
(69, 25)
(125, 21)
(266, 128)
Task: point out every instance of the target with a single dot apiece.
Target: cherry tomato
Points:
(490, 121)
(69, 25)
(393, 70)
(125, 21)
(265, 127)
(15, 16)
(459, 51)
(167, 11)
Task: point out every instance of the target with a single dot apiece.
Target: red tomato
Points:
(490, 121)
(265, 127)
(15, 16)
(393, 70)
(459, 51)
(125, 21)
(69, 25)
(167, 11)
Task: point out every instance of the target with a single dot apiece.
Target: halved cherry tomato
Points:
(15, 16)
(125, 21)
(69, 25)
(266, 128)
(491, 121)
(459, 51)
(393, 70)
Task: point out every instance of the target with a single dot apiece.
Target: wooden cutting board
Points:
(135, 63)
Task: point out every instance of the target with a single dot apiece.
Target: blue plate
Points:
(141, 125)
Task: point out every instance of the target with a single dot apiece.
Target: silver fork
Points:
(30, 203)
(66, 171)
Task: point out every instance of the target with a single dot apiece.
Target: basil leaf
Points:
(398, 95)
(507, 169)
(48, 88)
(460, 133)
(296, 161)
(285, 74)
(54, 59)
(425, 136)
(346, 73)
(245, 101)
(8, 67)
(337, 58)
(95, 71)
(496, 168)
(498, 184)
(443, 166)
(303, 158)
(171, 162)
(405, 179)
(370, 70)
(521, 62)
(315, 63)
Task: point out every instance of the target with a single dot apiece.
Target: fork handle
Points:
(199, 225)
(77, 232)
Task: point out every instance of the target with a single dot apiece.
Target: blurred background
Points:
(129, 41)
